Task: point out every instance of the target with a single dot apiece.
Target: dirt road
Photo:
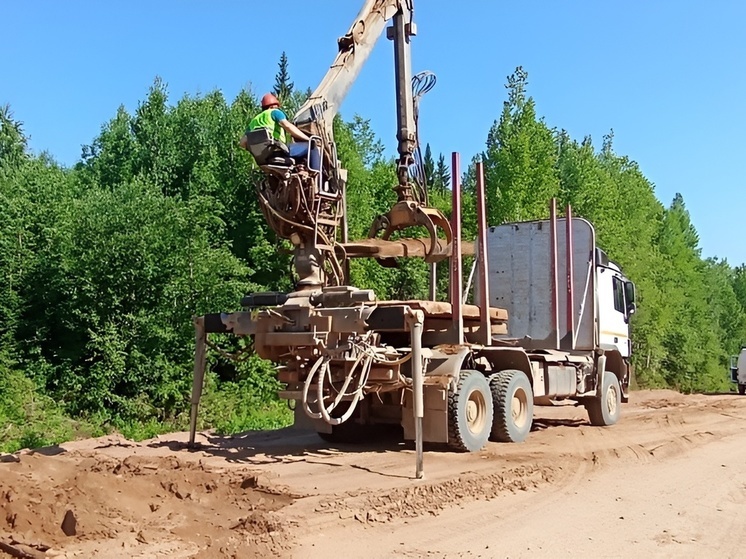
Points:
(668, 481)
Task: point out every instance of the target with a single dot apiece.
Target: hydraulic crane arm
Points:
(309, 212)
(316, 116)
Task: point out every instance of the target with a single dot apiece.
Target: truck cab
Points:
(616, 303)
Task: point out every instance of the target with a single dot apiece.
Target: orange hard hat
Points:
(269, 99)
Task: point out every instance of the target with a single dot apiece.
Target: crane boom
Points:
(316, 116)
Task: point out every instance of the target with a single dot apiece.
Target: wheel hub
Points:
(471, 411)
(611, 400)
(476, 412)
(519, 409)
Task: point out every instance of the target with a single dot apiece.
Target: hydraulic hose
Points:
(320, 374)
(307, 386)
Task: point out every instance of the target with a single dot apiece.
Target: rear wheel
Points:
(606, 408)
(470, 412)
(513, 400)
(742, 389)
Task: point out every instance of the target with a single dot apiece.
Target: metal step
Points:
(327, 221)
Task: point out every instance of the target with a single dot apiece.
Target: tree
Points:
(283, 88)
(365, 141)
(111, 159)
(441, 180)
(693, 352)
(584, 183)
(13, 143)
(429, 165)
(727, 314)
(739, 285)
(109, 302)
(520, 161)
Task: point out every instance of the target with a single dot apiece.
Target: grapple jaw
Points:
(408, 213)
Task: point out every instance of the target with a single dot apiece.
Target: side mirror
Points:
(631, 308)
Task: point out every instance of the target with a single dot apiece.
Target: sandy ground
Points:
(669, 480)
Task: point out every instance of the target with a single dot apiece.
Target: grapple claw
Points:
(408, 213)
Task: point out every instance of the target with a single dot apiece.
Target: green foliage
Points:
(233, 408)
(429, 164)
(13, 143)
(110, 320)
(738, 282)
(283, 88)
(442, 176)
(520, 164)
(29, 418)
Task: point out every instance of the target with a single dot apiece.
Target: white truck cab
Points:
(738, 370)
(616, 303)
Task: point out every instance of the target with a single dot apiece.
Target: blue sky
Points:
(669, 77)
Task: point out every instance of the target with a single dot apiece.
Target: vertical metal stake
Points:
(570, 277)
(483, 286)
(554, 273)
(417, 320)
(456, 273)
(433, 287)
(345, 231)
(200, 339)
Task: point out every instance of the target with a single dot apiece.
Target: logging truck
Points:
(547, 317)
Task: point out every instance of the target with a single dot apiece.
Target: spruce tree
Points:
(283, 88)
(442, 177)
(429, 164)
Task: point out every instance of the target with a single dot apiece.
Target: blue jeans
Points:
(299, 152)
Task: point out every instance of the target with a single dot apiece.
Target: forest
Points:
(104, 264)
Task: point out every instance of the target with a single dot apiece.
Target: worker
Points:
(274, 119)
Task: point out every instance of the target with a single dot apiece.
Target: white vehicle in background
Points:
(738, 370)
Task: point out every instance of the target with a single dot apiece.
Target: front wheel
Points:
(742, 389)
(606, 408)
(470, 412)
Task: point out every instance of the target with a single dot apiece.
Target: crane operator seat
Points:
(268, 151)
(276, 157)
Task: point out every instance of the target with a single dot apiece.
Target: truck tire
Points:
(742, 389)
(513, 400)
(606, 408)
(470, 412)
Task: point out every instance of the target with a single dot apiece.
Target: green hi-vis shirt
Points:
(270, 119)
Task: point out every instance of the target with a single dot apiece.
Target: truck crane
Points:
(550, 319)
